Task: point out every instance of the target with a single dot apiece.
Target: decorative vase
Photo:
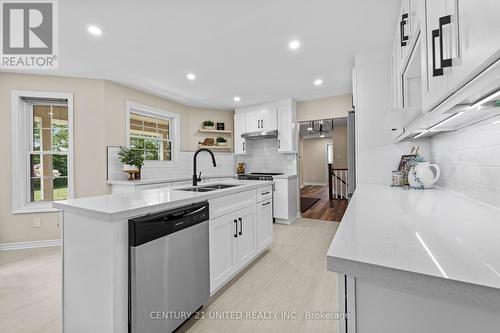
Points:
(221, 143)
(208, 127)
(421, 175)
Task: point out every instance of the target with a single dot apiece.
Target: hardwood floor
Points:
(290, 277)
(324, 209)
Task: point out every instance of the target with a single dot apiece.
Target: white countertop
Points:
(124, 205)
(139, 182)
(432, 232)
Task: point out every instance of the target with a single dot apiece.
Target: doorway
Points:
(323, 168)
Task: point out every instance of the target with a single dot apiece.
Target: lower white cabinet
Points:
(264, 224)
(238, 236)
(285, 200)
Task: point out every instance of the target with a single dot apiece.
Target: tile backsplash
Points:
(470, 160)
(262, 156)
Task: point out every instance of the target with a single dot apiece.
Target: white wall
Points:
(376, 155)
(314, 165)
(470, 160)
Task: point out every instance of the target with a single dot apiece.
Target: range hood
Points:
(260, 135)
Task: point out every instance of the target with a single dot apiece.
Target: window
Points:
(153, 132)
(42, 150)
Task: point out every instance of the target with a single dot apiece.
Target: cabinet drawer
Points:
(264, 193)
(227, 204)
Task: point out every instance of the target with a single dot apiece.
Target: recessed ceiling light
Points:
(322, 136)
(94, 30)
(318, 82)
(309, 128)
(294, 44)
(236, 98)
(191, 76)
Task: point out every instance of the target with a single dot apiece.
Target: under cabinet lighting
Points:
(441, 123)
(421, 134)
(486, 99)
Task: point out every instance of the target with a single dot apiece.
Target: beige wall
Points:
(324, 108)
(314, 167)
(99, 120)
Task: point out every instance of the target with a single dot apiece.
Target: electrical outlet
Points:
(36, 222)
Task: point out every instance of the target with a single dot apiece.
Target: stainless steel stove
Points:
(259, 175)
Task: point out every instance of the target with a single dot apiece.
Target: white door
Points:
(239, 129)
(436, 83)
(479, 43)
(253, 121)
(223, 261)
(280, 205)
(247, 235)
(269, 118)
(264, 224)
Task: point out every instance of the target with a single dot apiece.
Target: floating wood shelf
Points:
(215, 131)
(228, 147)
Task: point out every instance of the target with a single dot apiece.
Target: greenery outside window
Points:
(152, 132)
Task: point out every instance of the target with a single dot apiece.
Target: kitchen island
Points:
(96, 245)
(417, 261)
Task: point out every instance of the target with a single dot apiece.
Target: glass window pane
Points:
(60, 186)
(59, 137)
(152, 155)
(59, 165)
(35, 190)
(136, 143)
(46, 142)
(37, 133)
(35, 166)
(150, 144)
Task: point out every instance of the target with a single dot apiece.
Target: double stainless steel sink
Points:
(208, 188)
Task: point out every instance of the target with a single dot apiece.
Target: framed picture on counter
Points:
(220, 127)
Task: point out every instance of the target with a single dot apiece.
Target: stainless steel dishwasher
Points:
(168, 268)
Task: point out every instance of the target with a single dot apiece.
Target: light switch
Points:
(36, 222)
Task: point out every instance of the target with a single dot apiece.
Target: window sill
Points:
(36, 209)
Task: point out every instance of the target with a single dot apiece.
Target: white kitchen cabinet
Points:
(261, 118)
(264, 224)
(287, 127)
(247, 235)
(222, 243)
(479, 42)
(285, 200)
(252, 120)
(239, 129)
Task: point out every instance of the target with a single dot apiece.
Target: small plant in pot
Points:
(208, 125)
(221, 141)
(132, 160)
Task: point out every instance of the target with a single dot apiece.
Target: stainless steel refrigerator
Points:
(351, 155)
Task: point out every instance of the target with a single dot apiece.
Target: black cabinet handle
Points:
(264, 193)
(243, 146)
(442, 22)
(241, 226)
(267, 203)
(435, 71)
(402, 24)
(262, 123)
(279, 143)
(258, 123)
(236, 228)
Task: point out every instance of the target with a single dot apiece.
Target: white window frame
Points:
(174, 118)
(21, 140)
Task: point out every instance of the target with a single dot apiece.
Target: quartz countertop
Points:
(434, 233)
(125, 205)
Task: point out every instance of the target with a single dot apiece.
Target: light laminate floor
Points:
(291, 277)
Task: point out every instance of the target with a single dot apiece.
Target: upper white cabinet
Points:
(239, 129)
(287, 127)
(261, 118)
(279, 116)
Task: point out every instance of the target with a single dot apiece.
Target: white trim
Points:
(314, 184)
(30, 245)
(173, 117)
(20, 143)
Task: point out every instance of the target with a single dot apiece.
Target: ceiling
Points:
(234, 47)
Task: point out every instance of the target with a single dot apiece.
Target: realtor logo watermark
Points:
(29, 34)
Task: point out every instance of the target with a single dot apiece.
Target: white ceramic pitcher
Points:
(422, 175)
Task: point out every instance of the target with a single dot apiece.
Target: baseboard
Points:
(314, 184)
(30, 245)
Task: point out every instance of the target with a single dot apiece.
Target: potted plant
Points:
(221, 141)
(208, 125)
(132, 160)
